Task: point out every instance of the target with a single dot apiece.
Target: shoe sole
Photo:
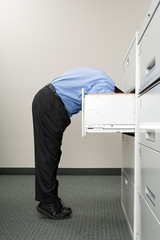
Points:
(55, 218)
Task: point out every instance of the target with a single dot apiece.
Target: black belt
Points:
(53, 90)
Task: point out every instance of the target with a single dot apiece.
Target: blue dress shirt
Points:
(69, 86)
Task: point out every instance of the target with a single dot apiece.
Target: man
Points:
(53, 106)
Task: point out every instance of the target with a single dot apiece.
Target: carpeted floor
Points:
(95, 201)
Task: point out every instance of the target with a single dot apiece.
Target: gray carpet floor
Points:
(95, 201)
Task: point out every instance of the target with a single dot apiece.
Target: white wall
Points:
(41, 39)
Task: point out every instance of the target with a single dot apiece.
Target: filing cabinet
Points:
(139, 113)
(147, 132)
(149, 161)
(148, 164)
(128, 141)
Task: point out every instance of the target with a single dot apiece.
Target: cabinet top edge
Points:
(110, 94)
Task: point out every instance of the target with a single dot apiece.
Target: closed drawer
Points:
(150, 178)
(129, 69)
(128, 143)
(108, 112)
(149, 52)
(149, 227)
(149, 105)
(127, 198)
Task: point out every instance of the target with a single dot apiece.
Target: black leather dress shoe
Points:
(61, 205)
(52, 210)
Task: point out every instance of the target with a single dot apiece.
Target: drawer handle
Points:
(150, 135)
(126, 182)
(150, 196)
(127, 62)
(150, 66)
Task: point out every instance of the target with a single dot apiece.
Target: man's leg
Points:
(50, 121)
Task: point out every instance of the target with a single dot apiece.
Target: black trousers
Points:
(50, 120)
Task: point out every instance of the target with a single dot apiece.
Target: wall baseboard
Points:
(64, 171)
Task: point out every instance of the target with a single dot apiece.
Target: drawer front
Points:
(128, 143)
(150, 178)
(108, 112)
(149, 53)
(127, 198)
(149, 227)
(149, 103)
(109, 109)
(129, 69)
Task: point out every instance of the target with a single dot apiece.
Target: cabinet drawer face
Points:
(108, 113)
(149, 53)
(128, 144)
(128, 198)
(149, 103)
(150, 178)
(149, 226)
(129, 69)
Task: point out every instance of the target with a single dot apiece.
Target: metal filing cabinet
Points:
(140, 194)
(148, 128)
(149, 161)
(128, 141)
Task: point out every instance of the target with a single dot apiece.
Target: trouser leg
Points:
(50, 121)
(46, 164)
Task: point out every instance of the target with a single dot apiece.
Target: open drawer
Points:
(108, 112)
